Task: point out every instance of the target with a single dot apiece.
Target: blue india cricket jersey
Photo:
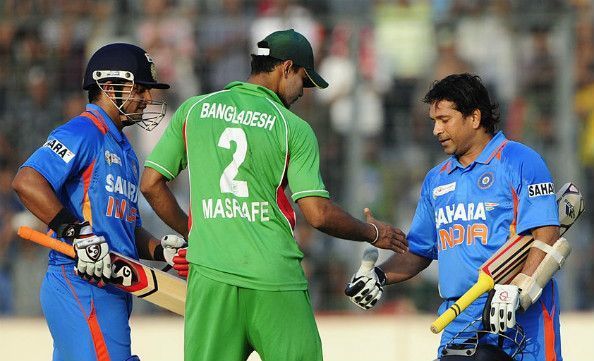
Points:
(466, 213)
(94, 172)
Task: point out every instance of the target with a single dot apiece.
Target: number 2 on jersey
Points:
(228, 182)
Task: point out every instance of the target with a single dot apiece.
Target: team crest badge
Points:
(112, 158)
(486, 180)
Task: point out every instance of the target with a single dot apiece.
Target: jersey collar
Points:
(102, 116)
(491, 150)
(254, 89)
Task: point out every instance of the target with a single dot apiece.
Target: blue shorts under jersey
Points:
(466, 213)
(94, 172)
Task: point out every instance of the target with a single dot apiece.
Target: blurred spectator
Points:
(484, 38)
(274, 15)
(405, 47)
(34, 114)
(348, 94)
(223, 37)
(70, 54)
(9, 206)
(7, 34)
(530, 114)
(167, 34)
(72, 105)
(447, 61)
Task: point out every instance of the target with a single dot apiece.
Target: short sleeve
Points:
(422, 235)
(303, 172)
(169, 155)
(537, 206)
(68, 150)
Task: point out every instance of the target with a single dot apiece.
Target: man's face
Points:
(291, 88)
(139, 97)
(454, 131)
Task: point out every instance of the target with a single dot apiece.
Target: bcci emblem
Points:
(486, 180)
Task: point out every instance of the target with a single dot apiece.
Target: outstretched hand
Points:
(388, 237)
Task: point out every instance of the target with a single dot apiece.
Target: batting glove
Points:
(174, 252)
(366, 287)
(500, 309)
(92, 253)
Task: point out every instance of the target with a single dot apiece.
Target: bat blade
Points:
(507, 262)
(129, 275)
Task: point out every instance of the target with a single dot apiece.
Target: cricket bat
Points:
(151, 284)
(508, 261)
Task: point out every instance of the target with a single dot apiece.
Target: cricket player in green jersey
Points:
(243, 146)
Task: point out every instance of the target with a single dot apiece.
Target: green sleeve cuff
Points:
(159, 168)
(311, 193)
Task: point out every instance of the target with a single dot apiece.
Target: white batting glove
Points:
(171, 244)
(92, 253)
(502, 307)
(366, 286)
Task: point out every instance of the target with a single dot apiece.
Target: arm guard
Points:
(531, 286)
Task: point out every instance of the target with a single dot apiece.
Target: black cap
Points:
(122, 61)
(291, 45)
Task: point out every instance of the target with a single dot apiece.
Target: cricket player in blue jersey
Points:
(487, 190)
(83, 183)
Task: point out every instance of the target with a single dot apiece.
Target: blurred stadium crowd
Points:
(379, 57)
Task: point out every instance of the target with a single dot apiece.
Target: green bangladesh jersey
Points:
(242, 148)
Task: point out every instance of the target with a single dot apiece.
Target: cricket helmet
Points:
(120, 63)
(474, 343)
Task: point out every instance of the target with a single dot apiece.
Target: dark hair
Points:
(93, 93)
(266, 64)
(468, 93)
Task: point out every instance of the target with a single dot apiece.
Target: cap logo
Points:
(263, 51)
(148, 58)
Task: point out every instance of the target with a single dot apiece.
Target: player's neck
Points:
(112, 112)
(267, 80)
(475, 149)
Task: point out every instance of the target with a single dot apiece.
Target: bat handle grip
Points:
(485, 283)
(46, 241)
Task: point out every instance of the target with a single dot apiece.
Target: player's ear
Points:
(287, 65)
(476, 118)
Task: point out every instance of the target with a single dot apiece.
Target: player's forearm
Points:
(159, 196)
(36, 194)
(548, 235)
(344, 226)
(327, 217)
(403, 266)
(146, 243)
(166, 207)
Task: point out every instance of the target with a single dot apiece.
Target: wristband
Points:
(61, 221)
(158, 253)
(376, 233)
